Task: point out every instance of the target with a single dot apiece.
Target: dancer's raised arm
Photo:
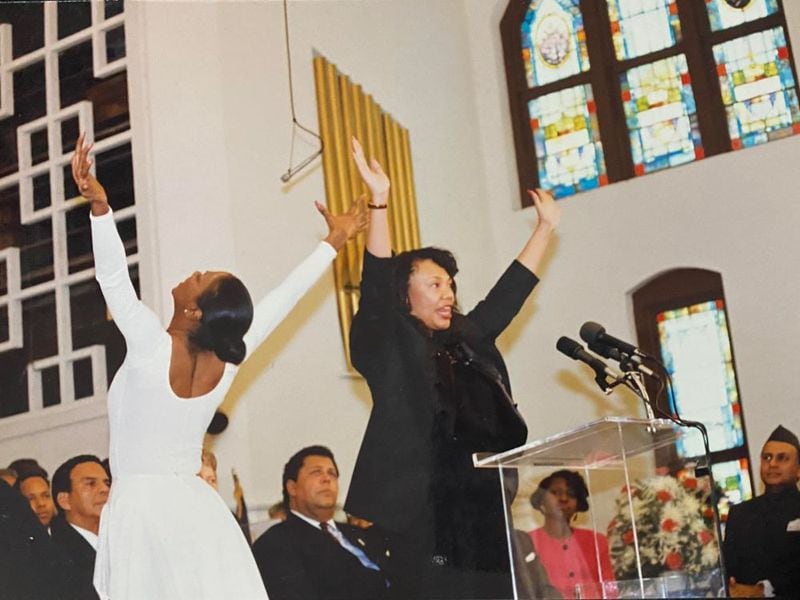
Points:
(272, 309)
(88, 186)
(136, 322)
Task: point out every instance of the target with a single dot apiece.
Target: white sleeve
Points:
(272, 309)
(139, 326)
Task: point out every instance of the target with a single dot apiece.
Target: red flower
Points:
(669, 525)
(690, 483)
(708, 512)
(674, 561)
(705, 536)
(664, 495)
(627, 537)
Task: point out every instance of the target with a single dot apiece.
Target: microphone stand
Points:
(633, 379)
(701, 471)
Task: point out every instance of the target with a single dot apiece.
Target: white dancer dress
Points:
(165, 533)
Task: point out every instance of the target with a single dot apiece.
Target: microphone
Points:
(594, 333)
(575, 351)
(626, 363)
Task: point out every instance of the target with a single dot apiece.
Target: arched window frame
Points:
(670, 290)
(697, 42)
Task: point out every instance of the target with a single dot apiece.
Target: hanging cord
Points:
(292, 171)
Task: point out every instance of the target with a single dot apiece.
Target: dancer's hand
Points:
(88, 186)
(546, 207)
(344, 227)
(377, 181)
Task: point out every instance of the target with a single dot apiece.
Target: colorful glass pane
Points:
(640, 27)
(567, 141)
(729, 13)
(696, 350)
(758, 88)
(733, 478)
(661, 115)
(553, 41)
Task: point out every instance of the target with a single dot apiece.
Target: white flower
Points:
(709, 555)
(690, 505)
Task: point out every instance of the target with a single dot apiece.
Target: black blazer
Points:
(393, 471)
(80, 556)
(758, 546)
(298, 561)
(31, 567)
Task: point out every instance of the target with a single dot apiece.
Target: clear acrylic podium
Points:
(657, 530)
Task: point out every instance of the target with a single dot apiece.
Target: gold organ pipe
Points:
(345, 110)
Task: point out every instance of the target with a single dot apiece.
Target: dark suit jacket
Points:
(757, 545)
(80, 555)
(31, 567)
(298, 561)
(392, 476)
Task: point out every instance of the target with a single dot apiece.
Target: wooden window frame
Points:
(696, 44)
(673, 289)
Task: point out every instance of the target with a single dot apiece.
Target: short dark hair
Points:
(574, 482)
(227, 315)
(27, 468)
(405, 262)
(62, 478)
(293, 466)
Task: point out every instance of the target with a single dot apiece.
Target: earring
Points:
(186, 311)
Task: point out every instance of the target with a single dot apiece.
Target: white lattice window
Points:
(62, 70)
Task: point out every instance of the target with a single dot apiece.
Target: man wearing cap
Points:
(762, 535)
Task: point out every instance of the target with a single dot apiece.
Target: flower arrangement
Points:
(674, 527)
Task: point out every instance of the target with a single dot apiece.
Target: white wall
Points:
(209, 101)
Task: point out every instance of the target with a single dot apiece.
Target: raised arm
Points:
(88, 186)
(379, 242)
(138, 324)
(549, 215)
(272, 309)
(493, 314)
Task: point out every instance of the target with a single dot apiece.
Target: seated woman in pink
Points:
(570, 555)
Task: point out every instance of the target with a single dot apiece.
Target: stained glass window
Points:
(567, 141)
(696, 350)
(661, 115)
(758, 88)
(733, 478)
(640, 27)
(670, 82)
(729, 13)
(553, 41)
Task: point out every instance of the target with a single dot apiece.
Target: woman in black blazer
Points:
(440, 393)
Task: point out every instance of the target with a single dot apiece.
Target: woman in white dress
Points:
(165, 533)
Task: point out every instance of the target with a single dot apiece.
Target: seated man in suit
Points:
(31, 567)
(762, 535)
(80, 488)
(311, 557)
